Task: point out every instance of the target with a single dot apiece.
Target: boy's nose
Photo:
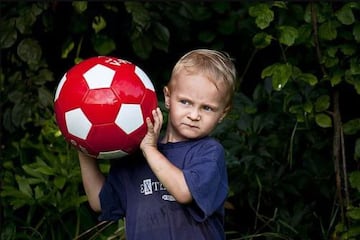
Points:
(194, 115)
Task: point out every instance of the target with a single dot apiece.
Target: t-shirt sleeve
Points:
(205, 174)
(111, 205)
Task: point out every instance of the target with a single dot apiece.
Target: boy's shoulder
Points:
(186, 148)
(200, 142)
(208, 142)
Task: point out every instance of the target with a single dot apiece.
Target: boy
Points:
(175, 188)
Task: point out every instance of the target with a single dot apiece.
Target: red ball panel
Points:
(72, 92)
(108, 137)
(148, 103)
(101, 106)
(60, 118)
(127, 85)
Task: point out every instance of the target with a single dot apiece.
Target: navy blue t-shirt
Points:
(151, 213)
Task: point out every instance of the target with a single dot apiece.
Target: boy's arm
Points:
(92, 179)
(168, 174)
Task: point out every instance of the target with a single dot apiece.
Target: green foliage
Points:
(309, 94)
(263, 14)
(271, 168)
(279, 138)
(42, 185)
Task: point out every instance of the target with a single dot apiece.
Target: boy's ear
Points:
(225, 112)
(167, 97)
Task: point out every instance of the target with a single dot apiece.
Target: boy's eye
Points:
(184, 102)
(207, 108)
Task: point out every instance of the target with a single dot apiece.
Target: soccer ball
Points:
(101, 105)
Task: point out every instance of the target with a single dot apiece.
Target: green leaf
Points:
(323, 120)
(27, 18)
(327, 31)
(308, 107)
(263, 15)
(29, 51)
(109, 6)
(79, 6)
(331, 51)
(348, 49)
(142, 46)
(288, 35)
(8, 231)
(353, 213)
(280, 74)
(98, 23)
(336, 78)
(357, 149)
(15, 77)
(45, 170)
(24, 185)
(354, 66)
(8, 33)
(262, 40)
(356, 32)
(304, 34)
(352, 126)
(330, 61)
(45, 75)
(30, 170)
(67, 47)
(309, 78)
(78, 60)
(356, 85)
(353, 232)
(45, 97)
(162, 33)
(318, 9)
(17, 113)
(280, 4)
(268, 71)
(16, 198)
(322, 103)
(59, 182)
(38, 193)
(162, 36)
(345, 15)
(7, 121)
(354, 179)
(15, 96)
(140, 15)
(103, 44)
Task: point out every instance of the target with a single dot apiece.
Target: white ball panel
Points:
(129, 117)
(112, 154)
(77, 123)
(99, 76)
(144, 78)
(61, 84)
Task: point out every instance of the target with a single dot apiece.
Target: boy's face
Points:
(195, 106)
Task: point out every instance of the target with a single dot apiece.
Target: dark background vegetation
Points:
(292, 139)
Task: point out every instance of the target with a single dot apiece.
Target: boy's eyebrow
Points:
(212, 105)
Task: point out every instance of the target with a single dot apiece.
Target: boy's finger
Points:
(149, 124)
(159, 115)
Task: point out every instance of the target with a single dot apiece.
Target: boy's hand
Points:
(152, 135)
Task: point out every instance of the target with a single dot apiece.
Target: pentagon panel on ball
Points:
(101, 105)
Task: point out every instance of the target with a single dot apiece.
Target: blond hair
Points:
(217, 66)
